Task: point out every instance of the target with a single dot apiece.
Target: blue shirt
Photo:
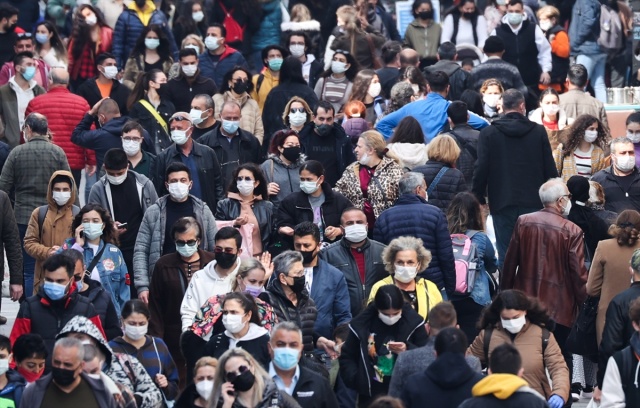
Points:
(431, 113)
(280, 384)
(190, 162)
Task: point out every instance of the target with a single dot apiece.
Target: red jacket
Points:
(64, 111)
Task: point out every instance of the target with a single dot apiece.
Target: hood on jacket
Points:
(80, 324)
(13, 379)
(410, 154)
(408, 323)
(450, 370)
(514, 124)
(502, 386)
(150, 7)
(210, 271)
(254, 332)
(446, 66)
(115, 125)
(74, 190)
(311, 25)
(563, 121)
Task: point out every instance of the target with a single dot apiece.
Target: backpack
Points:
(235, 32)
(611, 38)
(465, 253)
(487, 339)
(42, 214)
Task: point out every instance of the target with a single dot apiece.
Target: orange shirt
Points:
(105, 90)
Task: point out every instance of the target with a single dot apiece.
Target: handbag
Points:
(582, 339)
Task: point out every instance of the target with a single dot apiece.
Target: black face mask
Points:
(224, 260)
(468, 16)
(291, 153)
(244, 381)
(240, 87)
(62, 376)
(426, 15)
(298, 284)
(308, 256)
(323, 129)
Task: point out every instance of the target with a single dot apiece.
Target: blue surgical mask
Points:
(42, 38)
(230, 126)
(29, 73)
(187, 250)
(285, 358)
(79, 285)
(91, 230)
(55, 291)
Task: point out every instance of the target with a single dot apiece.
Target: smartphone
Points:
(122, 226)
(81, 234)
(231, 393)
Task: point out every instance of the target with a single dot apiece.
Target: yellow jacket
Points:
(266, 85)
(426, 291)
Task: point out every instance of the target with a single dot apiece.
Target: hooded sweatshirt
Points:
(410, 154)
(121, 368)
(254, 342)
(504, 390)
(144, 15)
(55, 228)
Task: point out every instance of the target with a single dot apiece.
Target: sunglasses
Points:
(342, 52)
(24, 35)
(232, 375)
(246, 178)
(298, 110)
(180, 118)
(182, 243)
(219, 250)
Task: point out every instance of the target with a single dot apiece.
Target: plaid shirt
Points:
(85, 67)
(28, 169)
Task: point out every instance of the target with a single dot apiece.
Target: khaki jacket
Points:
(567, 166)
(576, 103)
(424, 40)
(251, 120)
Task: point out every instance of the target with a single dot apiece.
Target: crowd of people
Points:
(265, 203)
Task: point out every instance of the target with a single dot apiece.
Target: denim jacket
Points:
(487, 263)
(114, 275)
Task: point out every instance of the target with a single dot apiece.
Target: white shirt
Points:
(95, 275)
(308, 278)
(465, 31)
(23, 96)
(544, 48)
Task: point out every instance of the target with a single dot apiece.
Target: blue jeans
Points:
(503, 223)
(595, 65)
(28, 263)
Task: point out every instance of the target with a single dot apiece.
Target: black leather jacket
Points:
(229, 209)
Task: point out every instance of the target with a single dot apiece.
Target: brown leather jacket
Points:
(545, 259)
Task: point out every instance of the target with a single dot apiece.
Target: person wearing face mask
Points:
(202, 115)
(105, 84)
(56, 301)
(191, 20)
(620, 180)
(404, 258)
(67, 383)
(633, 133)
(29, 355)
(281, 169)
(247, 203)
(307, 387)
(49, 46)
(189, 82)
(464, 25)
(49, 225)
(141, 161)
(9, 28)
(151, 352)
(551, 116)
(94, 360)
(299, 44)
(544, 245)
(491, 92)
(127, 195)
(515, 318)
(196, 394)
(366, 89)
(151, 52)
(583, 152)
(335, 85)
(219, 58)
(237, 86)
(358, 36)
(11, 381)
(549, 18)
(423, 33)
(387, 327)
(242, 328)
(272, 59)
(25, 42)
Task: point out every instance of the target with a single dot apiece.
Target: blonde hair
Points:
(374, 140)
(349, 15)
(287, 109)
(204, 362)
(405, 244)
(443, 148)
(246, 266)
(548, 12)
(259, 373)
(300, 13)
(491, 82)
(195, 38)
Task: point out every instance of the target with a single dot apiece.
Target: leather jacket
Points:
(229, 209)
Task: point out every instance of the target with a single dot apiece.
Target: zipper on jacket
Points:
(364, 362)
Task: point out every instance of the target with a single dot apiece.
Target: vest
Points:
(559, 66)
(627, 365)
(521, 51)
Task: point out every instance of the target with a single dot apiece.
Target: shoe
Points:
(587, 392)
(576, 388)
(3, 320)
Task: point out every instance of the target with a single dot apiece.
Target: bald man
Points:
(64, 110)
(409, 57)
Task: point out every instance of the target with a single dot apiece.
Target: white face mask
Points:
(110, 72)
(634, 137)
(514, 325)
(297, 50)
(178, 190)
(233, 323)
(567, 208)
(117, 180)
(91, 20)
(625, 163)
(61, 197)
(189, 70)
(545, 25)
(211, 43)
(130, 147)
(374, 89)
(297, 118)
(135, 333)
(365, 159)
(550, 109)
(95, 376)
(204, 388)
(198, 16)
(338, 67)
(245, 187)
(590, 135)
(179, 136)
(491, 100)
(389, 321)
(196, 116)
(405, 274)
(152, 43)
(4, 365)
(309, 187)
(355, 233)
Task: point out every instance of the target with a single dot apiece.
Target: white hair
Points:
(552, 190)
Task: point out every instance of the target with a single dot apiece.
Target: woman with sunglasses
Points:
(237, 86)
(247, 203)
(241, 382)
(152, 352)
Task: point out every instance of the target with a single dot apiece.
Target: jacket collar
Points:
(242, 134)
(364, 247)
(411, 199)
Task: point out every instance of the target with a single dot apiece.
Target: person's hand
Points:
(161, 381)
(15, 291)
(54, 249)
(79, 237)
(144, 296)
(545, 78)
(120, 75)
(117, 231)
(552, 37)
(228, 395)
(396, 347)
(273, 189)
(597, 394)
(241, 220)
(556, 401)
(90, 169)
(332, 232)
(265, 260)
(286, 231)
(328, 347)
(94, 110)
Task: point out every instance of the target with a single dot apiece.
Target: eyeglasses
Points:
(232, 375)
(182, 243)
(24, 35)
(566, 195)
(298, 110)
(247, 178)
(219, 250)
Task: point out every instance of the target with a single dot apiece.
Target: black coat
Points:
(160, 139)
(188, 397)
(339, 256)
(219, 344)
(445, 383)
(451, 183)
(467, 139)
(314, 391)
(344, 150)
(208, 172)
(303, 314)
(119, 93)
(514, 160)
(180, 92)
(595, 228)
(457, 77)
(229, 209)
(618, 199)
(103, 304)
(519, 399)
(356, 367)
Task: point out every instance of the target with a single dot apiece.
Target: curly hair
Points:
(405, 244)
(229, 76)
(517, 300)
(401, 94)
(626, 228)
(81, 32)
(575, 135)
(258, 175)
(491, 82)
(415, 77)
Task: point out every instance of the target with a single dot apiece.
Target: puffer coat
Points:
(451, 183)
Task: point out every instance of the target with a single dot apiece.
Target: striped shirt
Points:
(583, 161)
(334, 90)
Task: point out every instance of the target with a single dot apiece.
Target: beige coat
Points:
(576, 103)
(609, 275)
(251, 120)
